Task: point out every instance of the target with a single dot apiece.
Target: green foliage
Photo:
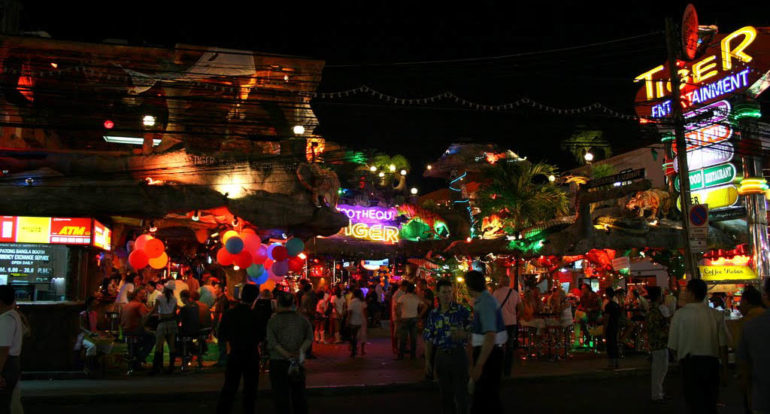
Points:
(672, 259)
(602, 170)
(520, 194)
(584, 141)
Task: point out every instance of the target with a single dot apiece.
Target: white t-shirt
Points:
(509, 309)
(11, 330)
(339, 304)
(123, 291)
(697, 330)
(357, 312)
(394, 301)
(179, 286)
(409, 305)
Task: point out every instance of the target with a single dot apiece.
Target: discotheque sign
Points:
(370, 223)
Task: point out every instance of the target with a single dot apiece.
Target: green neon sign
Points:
(710, 177)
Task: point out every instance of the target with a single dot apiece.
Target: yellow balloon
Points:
(159, 262)
(227, 235)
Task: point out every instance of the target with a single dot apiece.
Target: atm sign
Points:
(70, 230)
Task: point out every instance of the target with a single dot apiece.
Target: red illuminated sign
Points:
(102, 236)
(54, 230)
(70, 230)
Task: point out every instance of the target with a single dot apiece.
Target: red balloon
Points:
(280, 253)
(260, 255)
(242, 259)
(154, 248)
(224, 258)
(269, 267)
(141, 241)
(251, 242)
(248, 230)
(138, 259)
(296, 264)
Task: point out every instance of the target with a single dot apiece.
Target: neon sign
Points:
(727, 60)
(370, 223)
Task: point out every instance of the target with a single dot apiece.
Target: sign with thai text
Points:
(710, 177)
(725, 273)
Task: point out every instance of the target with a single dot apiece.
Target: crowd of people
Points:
(467, 350)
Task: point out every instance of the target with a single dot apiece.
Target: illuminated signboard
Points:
(24, 263)
(733, 63)
(45, 230)
(724, 273)
(370, 223)
(717, 197)
(102, 236)
(707, 156)
(709, 177)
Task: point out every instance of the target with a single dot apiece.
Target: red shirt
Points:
(131, 317)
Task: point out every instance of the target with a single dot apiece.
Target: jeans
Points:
(452, 373)
(354, 339)
(510, 348)
(240, 364)
(486, 396)
(658, 372)
(408, 327)
(700, 380)
(287, 394)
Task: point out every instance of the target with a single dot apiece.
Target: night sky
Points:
(361, 40)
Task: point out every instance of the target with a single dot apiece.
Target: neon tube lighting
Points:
(129, 140)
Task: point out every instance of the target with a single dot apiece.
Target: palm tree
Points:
(521, 194)
(583, 142)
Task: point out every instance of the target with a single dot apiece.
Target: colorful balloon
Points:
(248, 230)
(255, 270)
(296, 264)
(251, 242)
(267, 284)
(242, 259)
(154, 248)
(141, 241)
(280, 254)
(234, 245)
(262, 279)
(226, 236)
(224, 258)
(295, 246)
(270, 251)
(260, 255)
(281, 268)
(269, 267)
(159, 262)
(138, 259)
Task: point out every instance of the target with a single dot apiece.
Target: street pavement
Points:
(372, 382)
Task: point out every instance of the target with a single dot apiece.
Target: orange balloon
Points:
(159, 262)
(141, 241)
(154, 248)
(228, 234)
(269, 285)
(247, 230)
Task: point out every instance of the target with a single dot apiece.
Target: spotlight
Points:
(235, 267)
(153, 228)
(403, 172)
(373, 168)
(298, 130)
(148, 121)
(196, 216)
(235, 221)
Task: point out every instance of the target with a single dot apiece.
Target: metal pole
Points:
(672, 45)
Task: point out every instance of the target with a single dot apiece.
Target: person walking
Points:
(356, 319)
(11, 334)
(612, 311)
(337, 303)
(753, 359)
(446, 335)
(394, 317)
(510, 306)
(408, 309)
(699, 338)
(658, 320)
(488, 337)
(289, 336)
(241, 329)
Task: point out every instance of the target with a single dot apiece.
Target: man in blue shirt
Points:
(446, 334)
(488, 337)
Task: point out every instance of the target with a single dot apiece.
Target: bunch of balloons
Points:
(148, 251)
(246, 251)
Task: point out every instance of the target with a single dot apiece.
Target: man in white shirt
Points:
(394, 332)
(11, 329)
(510, 304)
(408, 308)
(126, 287)
(698, 335)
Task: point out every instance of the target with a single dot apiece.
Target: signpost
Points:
(617, 178)
(710, 177)
(698, 230)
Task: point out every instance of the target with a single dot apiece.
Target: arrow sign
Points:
(710, 177)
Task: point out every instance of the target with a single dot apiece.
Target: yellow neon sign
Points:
(375, 232)
(749, 34)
